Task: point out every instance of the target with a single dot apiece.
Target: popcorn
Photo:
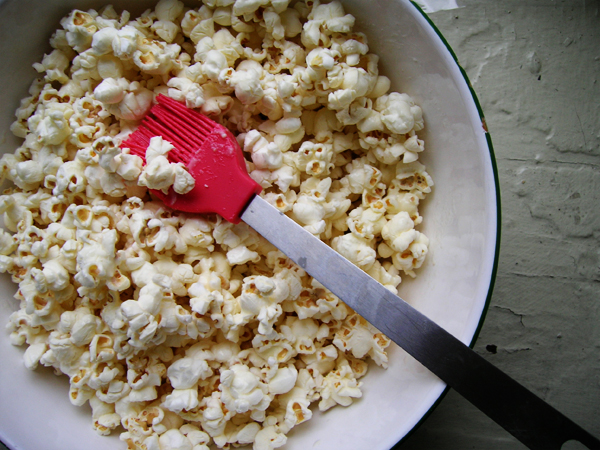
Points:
(96, 259)
(174, 440)
(102, 40)
(109, 66)
(125, 43)
(268, 439)
(29, 174)
(413, 257)
(168, 10)
(204, 29)
(80, 27)
(111, 91)
(50, 124)
(156, 59)
(260, 298)
(184, 89)
(283, 380)
(399, 232)
(125, 100)
(187, 330)
(246, 81)
(105, 418)
(362, 177)
(54, 65)
(315, 159)
(214, 63)
(290, 20)
(242, 7)
(367, 223)
(339, 387)
(356, 249)
(33, 354)
(399, 113)
(181, 399)
(413, 177)
(160, 174)
(265, 155)
(242, 390)
(185, 373)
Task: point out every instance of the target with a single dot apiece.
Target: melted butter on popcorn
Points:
(189, 331)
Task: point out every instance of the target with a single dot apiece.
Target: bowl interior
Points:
(460, 218)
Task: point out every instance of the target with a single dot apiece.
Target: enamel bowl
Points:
(461, 219)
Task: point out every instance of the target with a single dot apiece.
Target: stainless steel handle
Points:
(531, 420)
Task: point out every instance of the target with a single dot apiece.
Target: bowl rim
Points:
(496, 180)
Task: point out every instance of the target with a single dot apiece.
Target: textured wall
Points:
(535, 66)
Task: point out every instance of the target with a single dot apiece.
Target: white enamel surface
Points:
(460, 220)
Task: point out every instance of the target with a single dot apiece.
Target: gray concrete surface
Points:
(535, 66)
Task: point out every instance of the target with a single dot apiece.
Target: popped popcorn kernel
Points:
(160, 174)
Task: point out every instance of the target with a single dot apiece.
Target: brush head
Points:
(209, 152)
(184, 128)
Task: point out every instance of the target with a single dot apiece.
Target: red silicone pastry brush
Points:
(223, 186)
(210, 153)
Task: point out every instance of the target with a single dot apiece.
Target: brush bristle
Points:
(186, 129)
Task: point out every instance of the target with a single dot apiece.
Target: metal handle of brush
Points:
(527, 417)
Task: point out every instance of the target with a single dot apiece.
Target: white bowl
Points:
(461, 220)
